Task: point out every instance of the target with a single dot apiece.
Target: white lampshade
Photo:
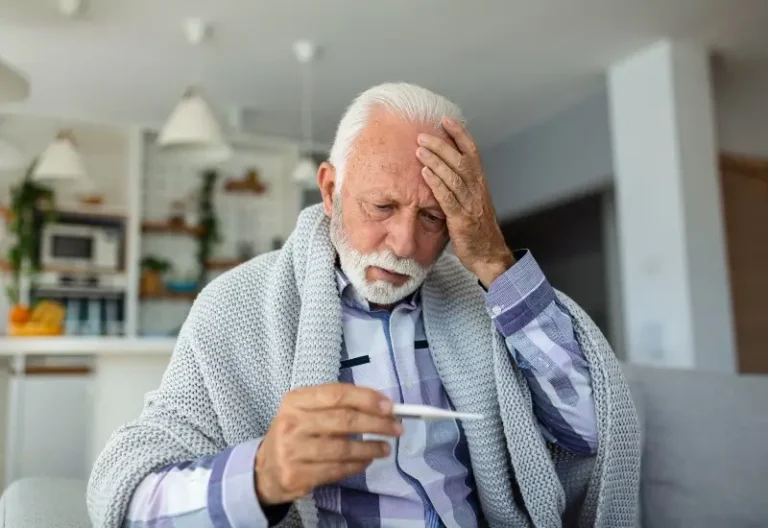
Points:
(193, 133)
(305, 171)
(60, 161)
(11, 158)
(13, 85)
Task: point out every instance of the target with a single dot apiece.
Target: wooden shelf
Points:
(170, 296)
(56, 370)
(240, 188)
(222, 264)
(248, 184)
(171, 229)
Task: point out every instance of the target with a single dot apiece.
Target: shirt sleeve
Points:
(539, 335)
(214, 490)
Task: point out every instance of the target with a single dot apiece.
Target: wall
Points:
(563, 161)
(569, 154)
(104, 150)
(567, 242)
(741, 97)
(242, 217)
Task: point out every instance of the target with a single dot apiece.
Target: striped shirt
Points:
(427, 479)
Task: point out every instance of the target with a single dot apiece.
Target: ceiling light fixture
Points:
(61, 160)
(305, 172)
(192, 132)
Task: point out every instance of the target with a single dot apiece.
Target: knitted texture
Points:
(274, 324)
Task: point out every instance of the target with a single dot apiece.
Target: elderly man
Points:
(277, 404)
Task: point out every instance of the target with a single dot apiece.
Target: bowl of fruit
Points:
(46, 318)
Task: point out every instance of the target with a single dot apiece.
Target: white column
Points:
(612, 276)
(133, 187)
(675, 287)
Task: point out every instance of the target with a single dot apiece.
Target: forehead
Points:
(383, 158)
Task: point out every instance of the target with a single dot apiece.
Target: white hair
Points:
(413, 103)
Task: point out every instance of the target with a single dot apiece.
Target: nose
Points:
(402, 235)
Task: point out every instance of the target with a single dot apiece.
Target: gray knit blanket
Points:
(274, 324)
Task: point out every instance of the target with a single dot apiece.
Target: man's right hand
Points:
(308, 444)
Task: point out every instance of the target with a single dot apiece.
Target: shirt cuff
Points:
(232, 499)
(519, 295)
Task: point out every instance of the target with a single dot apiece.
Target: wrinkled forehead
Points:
(387, 145)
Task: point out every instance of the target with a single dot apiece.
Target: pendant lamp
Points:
(193, 133)
(305, 172)
(61, 160)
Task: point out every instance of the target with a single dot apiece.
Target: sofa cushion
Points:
(705, 448)
(44, 503)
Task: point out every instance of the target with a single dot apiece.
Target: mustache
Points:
(391, 262)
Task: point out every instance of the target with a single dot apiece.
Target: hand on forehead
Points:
(384, 155)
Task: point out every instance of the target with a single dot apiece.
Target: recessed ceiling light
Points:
(71, 8)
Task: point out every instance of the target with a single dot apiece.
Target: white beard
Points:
(354, 265)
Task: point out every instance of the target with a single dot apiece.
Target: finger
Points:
(452, 180)
(461, 136)
(441, 148)
(347, 421)
(444, 196)
(335, 395)
(325, 449)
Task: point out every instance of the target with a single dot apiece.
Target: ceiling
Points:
(508, 63)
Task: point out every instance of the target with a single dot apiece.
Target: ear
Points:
(326, 180)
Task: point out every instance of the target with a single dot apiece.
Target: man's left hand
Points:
(458, 182)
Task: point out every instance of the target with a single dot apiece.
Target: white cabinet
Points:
(50, 437)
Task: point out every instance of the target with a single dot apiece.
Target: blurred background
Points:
(146, 147)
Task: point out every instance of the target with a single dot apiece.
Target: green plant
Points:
(155, 264)
(32, 205)
(209, 233)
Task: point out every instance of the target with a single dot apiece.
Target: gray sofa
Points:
(705, 457)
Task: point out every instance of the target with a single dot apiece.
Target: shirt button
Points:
(496, 310)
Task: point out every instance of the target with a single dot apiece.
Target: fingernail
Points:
(448, 121)
(385, 449)
(421, 139)
(399, 428)
(421, 152)
(385, 406)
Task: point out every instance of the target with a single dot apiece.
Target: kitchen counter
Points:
(68, 346)
(83, 407)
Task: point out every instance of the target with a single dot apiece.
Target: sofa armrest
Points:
(44, 503)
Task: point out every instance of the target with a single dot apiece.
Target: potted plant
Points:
(152, 270)
(31, 207)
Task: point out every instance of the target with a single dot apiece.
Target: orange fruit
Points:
(19, 314)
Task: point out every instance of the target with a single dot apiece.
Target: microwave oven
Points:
(81, 246)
